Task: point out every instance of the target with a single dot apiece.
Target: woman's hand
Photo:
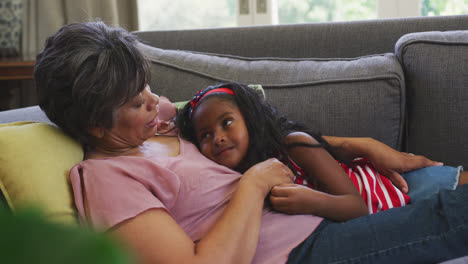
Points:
(267, 174)
(390, 163)
(386, 160)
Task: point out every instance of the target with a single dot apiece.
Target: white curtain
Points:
(43, 18)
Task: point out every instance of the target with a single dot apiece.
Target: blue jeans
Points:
(424, 183)
(427, 231)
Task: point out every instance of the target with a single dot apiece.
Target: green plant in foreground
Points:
(27, 237)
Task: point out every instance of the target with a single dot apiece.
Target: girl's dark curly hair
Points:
(267, 129)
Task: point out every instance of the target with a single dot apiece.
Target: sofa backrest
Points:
(310, 40)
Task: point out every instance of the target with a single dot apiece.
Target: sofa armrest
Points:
(436, 73)
(32, 113)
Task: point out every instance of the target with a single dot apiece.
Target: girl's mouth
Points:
(223, 151)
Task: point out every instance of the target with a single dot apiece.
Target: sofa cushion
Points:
(344, 97)
(436, 71)
(34, 164)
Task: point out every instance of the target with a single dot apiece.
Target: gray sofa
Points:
(401, 81)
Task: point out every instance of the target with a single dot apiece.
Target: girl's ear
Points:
(97, 132)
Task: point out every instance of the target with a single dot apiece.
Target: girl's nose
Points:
(220, 138)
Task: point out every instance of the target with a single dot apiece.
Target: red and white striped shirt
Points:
(378, 192)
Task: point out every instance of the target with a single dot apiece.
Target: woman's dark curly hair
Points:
(85, 73)
(267, 129)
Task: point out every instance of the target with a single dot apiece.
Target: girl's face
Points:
(221, 132)
(135, 121)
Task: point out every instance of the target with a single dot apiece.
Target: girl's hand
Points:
(291, 198)
(267, 174)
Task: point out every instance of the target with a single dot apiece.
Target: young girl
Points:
(233, 126)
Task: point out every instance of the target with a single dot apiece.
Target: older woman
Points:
(172, 205)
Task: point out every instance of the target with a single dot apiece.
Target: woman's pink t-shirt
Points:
(191, 188)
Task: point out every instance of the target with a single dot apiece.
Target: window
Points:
(407, 8)
(185, 14)
(443, 7)
(303, 11)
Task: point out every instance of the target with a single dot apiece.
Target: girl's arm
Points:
(386, 160)
(335, 196)
(155, 237)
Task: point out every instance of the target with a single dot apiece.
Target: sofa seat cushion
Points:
(34, 165)
(436, 71)
(344, 97)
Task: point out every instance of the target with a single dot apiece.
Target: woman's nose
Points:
(154, 101)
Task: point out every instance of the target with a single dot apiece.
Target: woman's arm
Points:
(156, 238)
(335, 196)
(386, 160)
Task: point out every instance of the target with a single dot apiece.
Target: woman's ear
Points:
(97, 132)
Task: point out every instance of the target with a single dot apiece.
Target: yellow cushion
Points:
(35, 160)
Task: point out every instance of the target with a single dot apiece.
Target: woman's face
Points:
(221, 132)
(135, 121)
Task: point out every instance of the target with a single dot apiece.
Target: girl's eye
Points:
(203, 136)
(227, 122)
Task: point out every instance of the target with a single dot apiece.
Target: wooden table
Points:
(16, 85)
(16, 69)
